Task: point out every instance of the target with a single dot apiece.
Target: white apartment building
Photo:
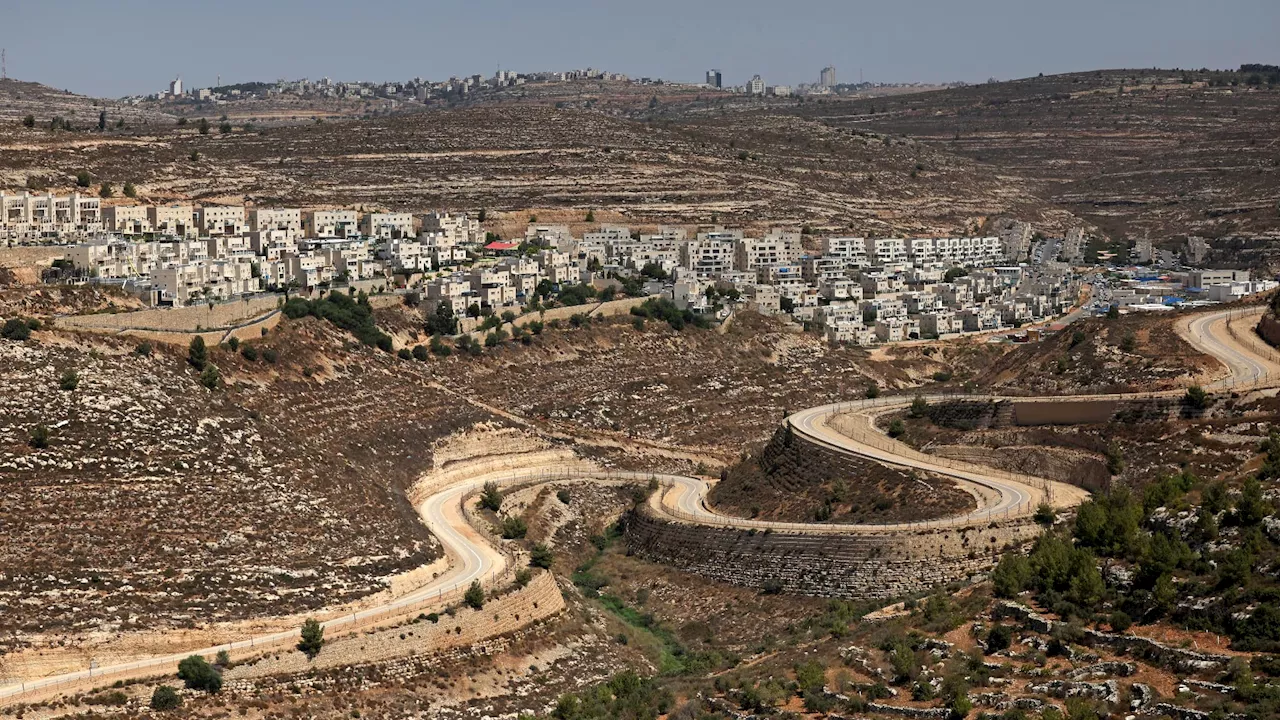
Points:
(708, 257)
(286, 220)
(852, 249)
(127, 220)
(387, 225)
(405, 255)
(886, 251)
(174, 220)
(462, 229)
(220, 220)
(28, 215)
(556, 237)
(330, 223)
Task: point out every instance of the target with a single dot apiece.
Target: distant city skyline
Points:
(929, 41)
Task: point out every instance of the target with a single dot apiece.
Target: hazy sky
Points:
(118, 47)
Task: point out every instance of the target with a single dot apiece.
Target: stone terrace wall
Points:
(540, 599)
(987, 414)
(185, 319)
(852, 566)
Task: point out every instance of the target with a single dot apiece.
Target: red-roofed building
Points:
(498, 247)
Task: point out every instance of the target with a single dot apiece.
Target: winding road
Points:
(847, 427)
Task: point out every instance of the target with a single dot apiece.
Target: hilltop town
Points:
(578, 396)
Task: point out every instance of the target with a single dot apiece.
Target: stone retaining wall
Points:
(994, 414)
(853, 566)
(540, 599)
(184, 319)
(1269, 329)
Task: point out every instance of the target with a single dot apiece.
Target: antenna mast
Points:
(4, 65)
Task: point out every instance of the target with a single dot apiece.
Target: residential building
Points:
(387, 226)
(330, 223)
(286, 220)
(127, 220)
(220, 220)
(172, 220)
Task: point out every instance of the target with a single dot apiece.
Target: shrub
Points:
(514, 528)
(439, 348)
(491, 497)
(70, 380)
(919, 407)
(873, 391)
(1120, 621)
(1046, 514)
(249, 352)
(523, 577)
(312, 638)
(563, 495)
(1197, 398)
(541, 556)
(474, 598)
(199, 674)
(144, 349)
(897, 429)
(15, 329)
(999, 638)
(222, 659)
(210, 377)
(165, 698)
(1011, 576)
(197, 353)
(420, 353)
(404, 353)
(270, 355)
(39, 437)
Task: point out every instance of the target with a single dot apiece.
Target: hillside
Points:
(1163, 152)
(738, 168)
(19, 99)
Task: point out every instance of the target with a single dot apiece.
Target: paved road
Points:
(1209, 334)
(472, 557)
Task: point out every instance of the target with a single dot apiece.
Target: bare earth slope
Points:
(1131, 151)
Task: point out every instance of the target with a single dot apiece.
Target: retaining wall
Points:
(852, 566)
(1269, 329)
(501, 616)
(988, 414)
(184, 319)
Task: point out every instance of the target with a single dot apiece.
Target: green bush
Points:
(999, 638)
(40, 435)
(249, 352)
(15, 329)
(665, 310)
(404, 353)
(353, 315)
(491, 497)
(474, 597)
(514, 528)
(197, 353)
(420, 353)
(271, 355)
(541, 556)
(312, 638)
(144, 349)
(198, 674)
(563, 495)
(897, 429)
(69, 381)
(210, 377)
(165, 698)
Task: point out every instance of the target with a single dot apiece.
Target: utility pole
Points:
(4, 65)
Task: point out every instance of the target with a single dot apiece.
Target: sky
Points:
(124, 47)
